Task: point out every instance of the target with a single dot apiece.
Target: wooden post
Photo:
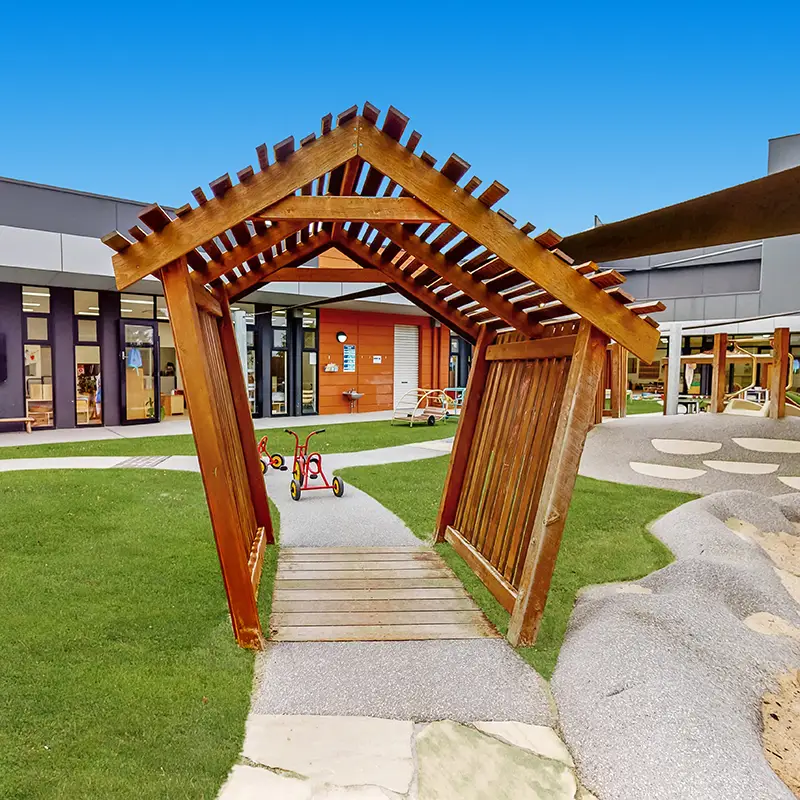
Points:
(196, 375)
(464, 434)
(244, 419)
(562, 468)
(719, 373)
(779, 374)
(600, 395)
(619, 381)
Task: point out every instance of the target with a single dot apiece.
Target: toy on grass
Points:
(275, 460)
(307, 467)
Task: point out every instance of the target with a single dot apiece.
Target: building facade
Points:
(746, 290)
(74, 351)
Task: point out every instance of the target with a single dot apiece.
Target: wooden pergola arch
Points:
(540, 323)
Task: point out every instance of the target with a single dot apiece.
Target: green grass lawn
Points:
(346, 437)
(119, 675)
(643, 406)
(605, 539)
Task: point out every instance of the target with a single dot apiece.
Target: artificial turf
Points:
(605, 539)
(119, 675)
(348, 437)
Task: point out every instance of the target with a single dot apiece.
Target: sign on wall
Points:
(377, 359)
(349, 359)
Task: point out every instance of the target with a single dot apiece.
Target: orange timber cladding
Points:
(372, 333)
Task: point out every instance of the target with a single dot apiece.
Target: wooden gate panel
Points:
(508, 459)
(524, 444)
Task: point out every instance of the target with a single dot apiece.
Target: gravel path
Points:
(659, 691)
(611, 446)
(462, 680)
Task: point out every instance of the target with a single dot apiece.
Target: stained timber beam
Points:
(461, 279)
(416, 293)
(261, 243)
(249, 282)
(329, 275)
(510, 245)
(350, 209)
(240, 202)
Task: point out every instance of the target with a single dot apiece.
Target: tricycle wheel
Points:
(276, 461)
(297, 473)
(338, 486)
(263, 466)
(431, 420)
(294, 489)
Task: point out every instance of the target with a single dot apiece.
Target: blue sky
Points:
(580, 109)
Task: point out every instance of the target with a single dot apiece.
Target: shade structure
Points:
(540, 322)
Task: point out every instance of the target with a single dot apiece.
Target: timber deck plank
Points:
(366, 594)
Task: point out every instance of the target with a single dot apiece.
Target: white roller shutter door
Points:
(406, 359)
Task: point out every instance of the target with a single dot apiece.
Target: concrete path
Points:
(700, 453)
(170, 427)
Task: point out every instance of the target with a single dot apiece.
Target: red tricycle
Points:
(275, 460)
(308, 467)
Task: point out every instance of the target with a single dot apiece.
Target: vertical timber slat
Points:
(562, 468)
(244, 420)
(465, 433)
(193, 357)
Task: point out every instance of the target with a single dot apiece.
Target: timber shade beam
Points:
(350, 209)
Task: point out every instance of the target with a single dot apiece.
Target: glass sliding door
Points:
(141, 402)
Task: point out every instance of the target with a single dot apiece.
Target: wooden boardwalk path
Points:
(325, 594)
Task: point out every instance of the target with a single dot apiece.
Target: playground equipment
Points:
(275, 460)
(422, 405)
(455, 399)
(307, 467)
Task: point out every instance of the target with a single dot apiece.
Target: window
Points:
(249, 311)
(38, 356)
(279, 364)
(308, 370)
(162, 314)
(86, 304)
(137, 306)
(35, 300)
(88, 389)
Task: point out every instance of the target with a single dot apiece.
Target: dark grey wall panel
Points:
(744, 276)
(723, 307)
(62, 337)
(264, 345)
(12, 400)
(110, 356)
(44, 208)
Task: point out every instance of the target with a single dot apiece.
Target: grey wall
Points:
(45, 208)
(781, 262)
(12, 394)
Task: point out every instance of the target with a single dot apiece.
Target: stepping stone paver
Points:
(537, 739)
(455, 761)
(343, 751)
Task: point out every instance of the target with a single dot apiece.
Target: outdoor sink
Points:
(353, 395)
